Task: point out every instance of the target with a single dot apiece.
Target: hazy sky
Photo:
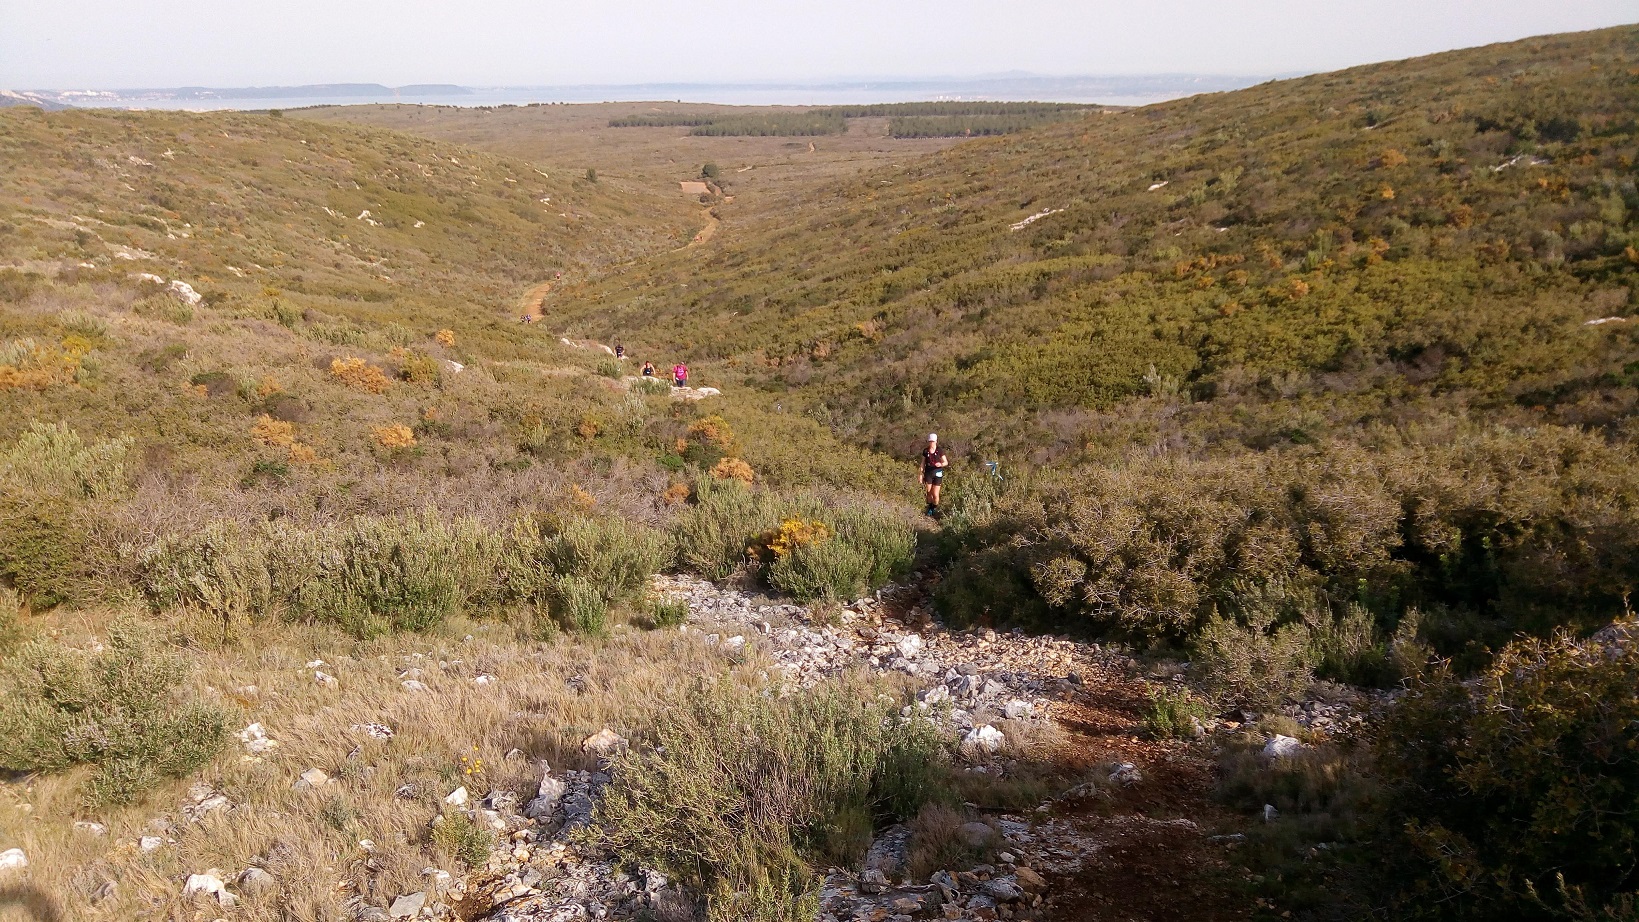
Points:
(60, 44)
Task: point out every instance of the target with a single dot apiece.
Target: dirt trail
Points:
(1153, 860)
(530, 305)
(707, 232)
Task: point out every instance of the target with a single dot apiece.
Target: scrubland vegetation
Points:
(1297, 382)
(909, 119)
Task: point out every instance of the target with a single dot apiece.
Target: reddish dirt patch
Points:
(1154, 861)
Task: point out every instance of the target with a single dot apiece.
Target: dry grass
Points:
(310, 839)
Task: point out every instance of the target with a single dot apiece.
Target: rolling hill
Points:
(1438, 231)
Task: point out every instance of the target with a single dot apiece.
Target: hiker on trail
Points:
(620, 351)
(933, 463)
(648, 369)
(680, 374)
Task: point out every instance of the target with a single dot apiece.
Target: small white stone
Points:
(457, 797)
(13, 859)
(414, 685)
(408, 906)
(150, 843)
(209, 884)
(1283, 747)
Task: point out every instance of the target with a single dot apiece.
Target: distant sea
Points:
(1104, 90)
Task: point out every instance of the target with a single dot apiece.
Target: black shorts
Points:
(933, 478)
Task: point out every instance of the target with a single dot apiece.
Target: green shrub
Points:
(46, 548)
(1172, 713)
(12, 632)
(462, 839)
(1261, 656)
(739, 789)
(120, 710)
(54, 486)
(221, 569)
(711, 535)
(375, 575)
(611, 368)
(651, 387)
(403, 573)
(51, 459)
(880, 536)
(1349, 648)
(669, 613)
(579, 605)
(420, 368)
(832, 570)
(614, 556)
(1517, 795)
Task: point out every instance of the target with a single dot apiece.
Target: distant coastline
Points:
(1108, 90)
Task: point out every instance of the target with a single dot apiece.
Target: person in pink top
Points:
(680, 374)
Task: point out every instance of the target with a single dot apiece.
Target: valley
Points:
(1282, 570)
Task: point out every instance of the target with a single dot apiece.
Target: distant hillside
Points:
(340, 213)
(1439, 229)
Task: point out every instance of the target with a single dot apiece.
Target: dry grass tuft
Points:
(388, 792)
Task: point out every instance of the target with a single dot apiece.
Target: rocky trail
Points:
(1131, 834)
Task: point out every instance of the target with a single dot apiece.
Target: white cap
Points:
(933, 436)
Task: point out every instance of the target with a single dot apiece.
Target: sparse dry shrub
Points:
(1392, 158)
(1262, 655)
(303, 454)
(714, 430)
(445, 338)
(12, 632)
(588, 427)
(120, 710)
(359, 374)
(936, 843)
(457, 836)
(28, 365)
(274, 433)
(737, 787)
(675, 494)
(792, 534)
(393, 436)
(734, 469)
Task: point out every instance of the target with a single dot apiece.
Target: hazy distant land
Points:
(1110, 90)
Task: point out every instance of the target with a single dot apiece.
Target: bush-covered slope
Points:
(236, 319)
(1440, 227)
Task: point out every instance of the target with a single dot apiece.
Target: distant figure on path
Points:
(648, 369)
(680, 374)
(620, 351)
(934, 463)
